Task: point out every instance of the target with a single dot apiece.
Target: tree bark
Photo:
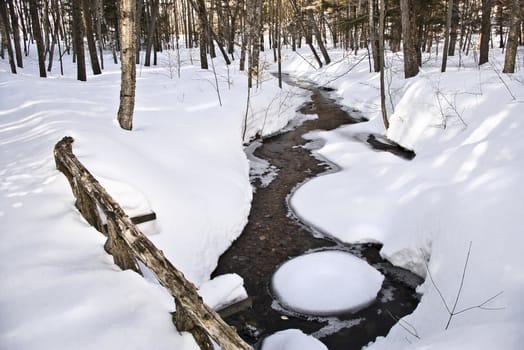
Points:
(485, 32)
(318, 35)
(16, 34)
(373, 37)
(78, 34)
(128, 79)
(139, 9)
(6, 35)
(37, 33)
(454, 22)
(411, 66)
(446, 36)
(151, 32)
(381, 63)
(513, 38)
(95, 64)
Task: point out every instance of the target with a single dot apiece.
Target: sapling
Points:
(452, 311)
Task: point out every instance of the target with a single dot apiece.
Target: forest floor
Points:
(185, 161)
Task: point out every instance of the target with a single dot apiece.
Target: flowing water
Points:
(274, 234)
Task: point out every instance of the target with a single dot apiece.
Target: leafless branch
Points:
(408, 327)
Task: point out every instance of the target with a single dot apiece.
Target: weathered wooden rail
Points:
(126, 243)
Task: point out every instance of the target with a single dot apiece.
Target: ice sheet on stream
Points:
(326, 283)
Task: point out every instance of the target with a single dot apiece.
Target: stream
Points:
(274, 234)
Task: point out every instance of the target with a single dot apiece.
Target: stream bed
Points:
(274, 234)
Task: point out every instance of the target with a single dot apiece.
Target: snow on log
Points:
(127, 243)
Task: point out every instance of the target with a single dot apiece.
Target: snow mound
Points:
(325, 283)
(223, 290)
(292, 339)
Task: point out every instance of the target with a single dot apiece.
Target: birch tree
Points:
(128, 80)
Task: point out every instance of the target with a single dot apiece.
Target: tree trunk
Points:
(99, 8)
(6, 36)
(151, 32)
(128, 80)
(381, 63)
(454, 22)
(204, 39)
(513, 38)
(37, 33)
(16, 34)
(95, 65)
(78, 34)
(318, 35)
(485, 31)
(411, 66)
(373, 40)
(446, 37)
(139, 9)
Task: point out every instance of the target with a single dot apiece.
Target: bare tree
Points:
(6, 36)
(445, 51)
(513, 38)
(382, 10)
(16, 34)
(95, 65)
(151, 31)
(411, 66)
(128, 80)
(37, 33)
(485, 31)
(78, 35)
(373, 36)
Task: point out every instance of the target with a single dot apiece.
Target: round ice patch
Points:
(326, 283)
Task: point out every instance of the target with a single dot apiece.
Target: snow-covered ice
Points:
(292, 339)
(326, 282)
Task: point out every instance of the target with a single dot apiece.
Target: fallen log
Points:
(127, 243)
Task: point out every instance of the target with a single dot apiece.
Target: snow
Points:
(223, 290)
(292, 339)
(184, 160)
(326, 282)
(463, 186)
(259, 169)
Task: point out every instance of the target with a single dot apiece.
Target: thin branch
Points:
(459, 292)
(481, 306)
(346, 72)
(502, 80)
(436, 287)
(411, 330)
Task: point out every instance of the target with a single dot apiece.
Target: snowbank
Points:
(463, 186)
(292, 339)
(184, 160)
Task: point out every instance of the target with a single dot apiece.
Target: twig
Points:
(452, 312)
(411, 330)
(436, 286)
(346, 72)
(311, 64)
(459, 292)
(502, 79)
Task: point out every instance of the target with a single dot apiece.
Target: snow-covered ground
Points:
(185, 161)
(463, 186)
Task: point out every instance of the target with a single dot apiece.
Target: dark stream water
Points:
(274, 234)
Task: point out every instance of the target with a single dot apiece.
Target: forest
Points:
(261, 174)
